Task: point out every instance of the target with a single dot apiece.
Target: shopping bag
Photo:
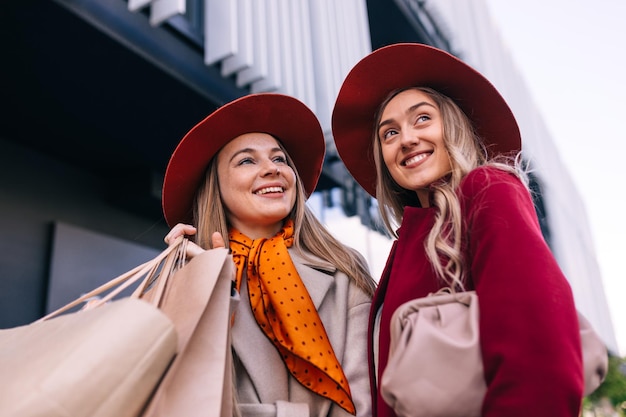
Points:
(199, 381)
(102, 361)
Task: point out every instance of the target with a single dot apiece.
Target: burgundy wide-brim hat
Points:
(285, 118)
(414, 65)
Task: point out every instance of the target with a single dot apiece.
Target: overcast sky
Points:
(572, 54)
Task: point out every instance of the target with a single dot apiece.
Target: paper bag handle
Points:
(170, 260)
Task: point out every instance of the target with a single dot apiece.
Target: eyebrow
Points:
(408, 111)
(252, 150)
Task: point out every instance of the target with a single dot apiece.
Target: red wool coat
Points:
(529, 329)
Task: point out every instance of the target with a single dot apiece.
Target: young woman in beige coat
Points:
(240, 179)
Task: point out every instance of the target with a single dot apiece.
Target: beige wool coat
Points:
(264, 386)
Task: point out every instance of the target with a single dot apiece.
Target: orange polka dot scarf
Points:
(285, 312)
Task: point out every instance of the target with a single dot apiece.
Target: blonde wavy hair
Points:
(209, 216)
(466, 152)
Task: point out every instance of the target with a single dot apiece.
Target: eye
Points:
(245, 161)
(388, 134)
(422, 118)
(279, 159)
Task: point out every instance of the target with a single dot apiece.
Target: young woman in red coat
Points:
(443, 161)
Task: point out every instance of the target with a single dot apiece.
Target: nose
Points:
(408, 138)
(271, 168)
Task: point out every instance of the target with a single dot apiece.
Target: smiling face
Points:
(257, 185)
(412, 144)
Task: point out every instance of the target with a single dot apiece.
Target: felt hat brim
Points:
(285, 118)
(414, 65)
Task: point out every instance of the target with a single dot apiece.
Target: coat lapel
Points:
(316, 274)
(257, 354)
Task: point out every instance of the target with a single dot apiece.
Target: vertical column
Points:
(160, 10)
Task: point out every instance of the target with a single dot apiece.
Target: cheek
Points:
(290, 177)
(226, 200)
(291, 182)
(292, 203)
(224, 188)
(222, 177)
(444, 162)
(227, 190)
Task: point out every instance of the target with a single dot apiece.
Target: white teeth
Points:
(270, 190)
(415, 158)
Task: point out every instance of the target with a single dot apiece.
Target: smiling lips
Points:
(416, 158)
(269, 190)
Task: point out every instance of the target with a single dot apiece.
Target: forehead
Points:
(406, 99)
(255, 140)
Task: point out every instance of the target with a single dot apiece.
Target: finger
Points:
(193, 250)
(217, 240)
(179, 230)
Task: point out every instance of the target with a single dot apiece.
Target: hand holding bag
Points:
(435, 364)
(595, 355)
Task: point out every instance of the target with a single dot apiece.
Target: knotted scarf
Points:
(285, 312)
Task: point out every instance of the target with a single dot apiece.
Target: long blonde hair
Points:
(209, 214)
(466, 152)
